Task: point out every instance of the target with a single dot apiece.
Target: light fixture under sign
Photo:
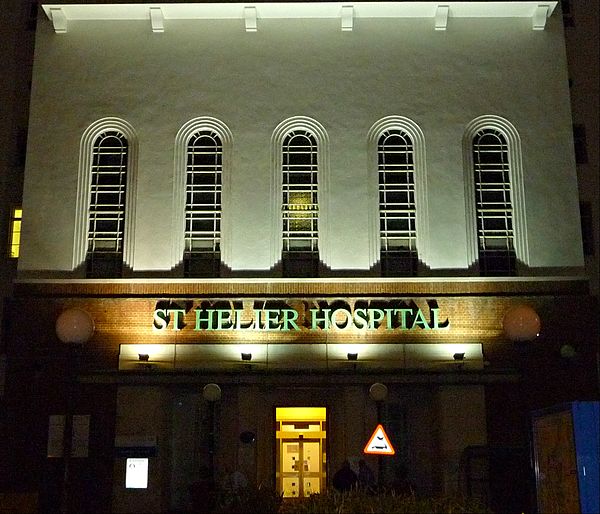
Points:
(352, 356)
(246, 356)
(459, 360)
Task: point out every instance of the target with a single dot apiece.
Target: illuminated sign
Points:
(379, 443)
(362, 316)
(136, 474)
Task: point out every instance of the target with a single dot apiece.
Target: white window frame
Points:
(308, 210)
(300, 123)
(86, 149)
(414, 132)
(513, 141)
(102, 240)
(197, 212)
(185, 133)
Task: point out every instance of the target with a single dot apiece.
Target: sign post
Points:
(379, 444)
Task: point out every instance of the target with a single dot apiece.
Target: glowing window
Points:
(493, 203)
(15, 232)
(397, 210)
(106, 221)
(300, 207)
(203, 204)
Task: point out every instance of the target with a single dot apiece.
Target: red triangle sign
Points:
(379, 443)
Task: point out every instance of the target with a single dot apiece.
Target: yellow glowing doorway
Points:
(300, 451)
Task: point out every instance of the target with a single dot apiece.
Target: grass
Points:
(360, 502)
(263, 500)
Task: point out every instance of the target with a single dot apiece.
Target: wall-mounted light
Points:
(352, 356)
(459, 360)
(246, 356)
(144, 360)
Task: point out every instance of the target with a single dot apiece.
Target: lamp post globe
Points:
(211, 392)
(74, 326)
(521, 323)
(378, 392)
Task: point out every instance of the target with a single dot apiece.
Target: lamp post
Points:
(212, 394)
(378, 393)
(74, 327)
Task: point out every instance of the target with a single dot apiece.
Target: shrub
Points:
(359, 502)
(248, 500)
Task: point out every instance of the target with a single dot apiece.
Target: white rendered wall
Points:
(345, 80)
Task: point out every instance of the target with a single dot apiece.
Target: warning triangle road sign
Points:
(379, 444)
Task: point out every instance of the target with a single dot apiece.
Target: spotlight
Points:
(459, 360)
(246, 356)
(143, 357)
(352, 356)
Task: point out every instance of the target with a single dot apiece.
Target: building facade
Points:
(287, 223)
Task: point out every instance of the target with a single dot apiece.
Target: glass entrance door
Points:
(301, 469)
(301, 457)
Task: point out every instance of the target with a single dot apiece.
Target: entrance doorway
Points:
(300, 450)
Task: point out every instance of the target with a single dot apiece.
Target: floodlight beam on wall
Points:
(288, 356)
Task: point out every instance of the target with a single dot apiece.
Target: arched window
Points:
(493, 203)
(203, 148)
(106, 215)
(398, 187)
(496, 227)
(300, 204)
(203, 192)
(105, 210)
(397, 207)
(299, 197)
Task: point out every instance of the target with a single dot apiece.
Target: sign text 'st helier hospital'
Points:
(393, 317)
